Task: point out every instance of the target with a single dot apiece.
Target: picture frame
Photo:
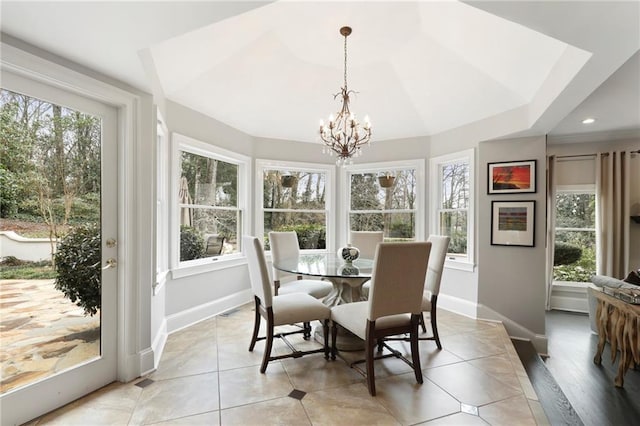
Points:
(511, 177)
(513, 223)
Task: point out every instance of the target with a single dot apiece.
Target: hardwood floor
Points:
(588, 387)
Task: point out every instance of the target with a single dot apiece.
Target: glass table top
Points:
(325, 265)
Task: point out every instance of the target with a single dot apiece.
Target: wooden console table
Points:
(619, 323)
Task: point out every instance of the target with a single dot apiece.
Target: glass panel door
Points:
(58, 223)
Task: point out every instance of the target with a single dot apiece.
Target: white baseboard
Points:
(569, 297)
(191, 316)
(457, 305)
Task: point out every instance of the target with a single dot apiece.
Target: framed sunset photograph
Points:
(512, 177)
(513, 223)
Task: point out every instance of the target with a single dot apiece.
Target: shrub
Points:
(77, 263)
(565, 254)
(8, 193)
(309, 236)
(191, 244)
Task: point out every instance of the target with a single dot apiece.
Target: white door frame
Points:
(134, 354)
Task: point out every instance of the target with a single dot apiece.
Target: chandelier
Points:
(344, 135)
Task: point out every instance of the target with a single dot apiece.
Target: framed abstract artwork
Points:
(513, 223)
(511, 177)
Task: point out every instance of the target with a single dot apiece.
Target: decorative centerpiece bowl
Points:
(349, 253)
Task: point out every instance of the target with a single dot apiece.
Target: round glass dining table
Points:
(347, 278)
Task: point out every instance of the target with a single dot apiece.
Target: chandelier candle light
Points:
(344, 135)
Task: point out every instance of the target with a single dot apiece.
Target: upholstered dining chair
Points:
(366, 242)
(439, 248)
(285, 245)
(394, 305)
(280, 310)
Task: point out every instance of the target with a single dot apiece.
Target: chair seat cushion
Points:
(315, 288)
(298, 307)
(353, 317)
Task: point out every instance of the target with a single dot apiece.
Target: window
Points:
(575, 242)
(295, 197)
(210, 202)
(386, 197)
(452, 205)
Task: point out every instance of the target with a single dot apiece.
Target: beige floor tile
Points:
(509, 412)
(112, 404)
(410, 402)
(313, 372)
(247, 385)
(351, 405)
(200, 358)
(460, 419)
(211, 418)
(279, 411)
(538, 413)
(470, 385)
(176, 398)
(471, 346)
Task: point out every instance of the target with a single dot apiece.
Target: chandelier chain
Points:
(345, 62)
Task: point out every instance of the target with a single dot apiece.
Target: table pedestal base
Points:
(345, 340)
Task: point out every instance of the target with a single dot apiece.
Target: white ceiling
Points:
(420, 68)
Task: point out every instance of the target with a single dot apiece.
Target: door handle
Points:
(110, 263)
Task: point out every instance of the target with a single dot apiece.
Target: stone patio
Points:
(41, 332)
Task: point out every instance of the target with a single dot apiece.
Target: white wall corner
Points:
(515, 330)
(191, 316)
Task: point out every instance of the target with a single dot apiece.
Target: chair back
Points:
(439, 247)
(366, 242)
(258, 271)
(397, 279)
(283, 245)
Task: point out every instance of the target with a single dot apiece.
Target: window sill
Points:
(570, 284)
(459, 265)
(203, 268)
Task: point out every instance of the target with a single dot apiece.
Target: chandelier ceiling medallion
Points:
(344, 135)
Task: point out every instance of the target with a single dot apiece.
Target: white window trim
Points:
(328, 169)
(463, 263)
(382, 167)
(179, 143)
(162, 212)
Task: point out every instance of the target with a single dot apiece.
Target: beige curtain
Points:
(612, 213)
(551, 224)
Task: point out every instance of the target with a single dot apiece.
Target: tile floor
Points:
(207, 376)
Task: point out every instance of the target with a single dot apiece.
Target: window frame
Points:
(454, 261)
(382, 167)
(329, 169)
(162, 212)
(180, 143)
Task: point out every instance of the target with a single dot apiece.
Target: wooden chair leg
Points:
(307, 330)
(267, 348)
(334, 335)
(424, 328)
(256, 328)
(434, 327)
(415, 350)
(325, 329)
(370, 343)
